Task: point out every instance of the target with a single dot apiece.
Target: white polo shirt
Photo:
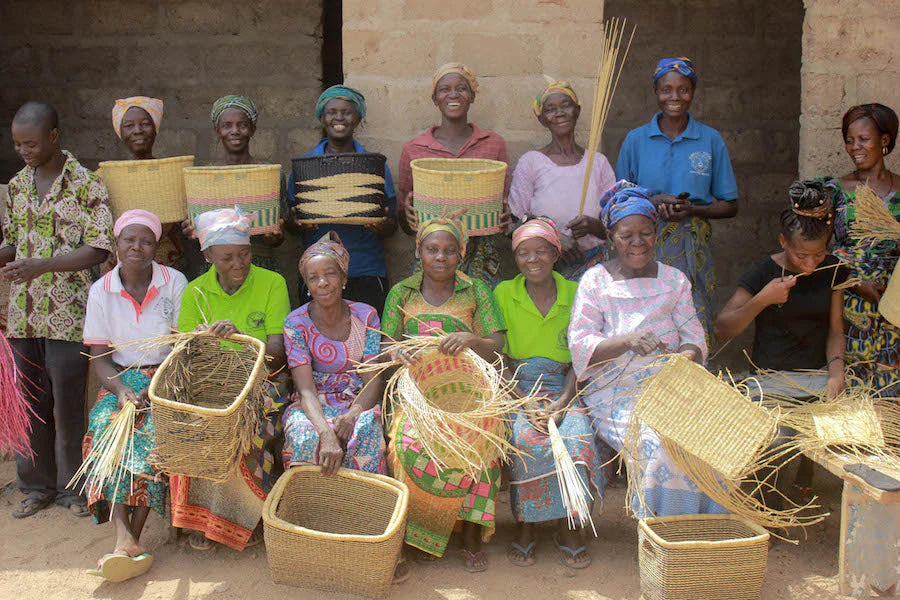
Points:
(116, 319)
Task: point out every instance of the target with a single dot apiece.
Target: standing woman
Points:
(686, 167)
(453, 90)
(548, 182)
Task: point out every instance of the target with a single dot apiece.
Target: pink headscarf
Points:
(538, 227)
(224, 226)
(153, 106)
(138, 216)
(328, 245)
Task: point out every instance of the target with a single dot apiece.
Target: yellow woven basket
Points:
(713, 557)
(340, 533)
(255, 188)
(443, 186)
(889, 306)
(156, 185)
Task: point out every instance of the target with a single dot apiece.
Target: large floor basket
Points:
(340, 533)
(339, 188)
(443, 186)
(889, 306)
(255, 188)
(156, 185)
(208, 401)
(713, 557)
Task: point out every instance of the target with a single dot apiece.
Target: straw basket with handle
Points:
(443, 186)
(255, 188)
(340, 188)
(207, 399)
(340, 533)
(156, 185)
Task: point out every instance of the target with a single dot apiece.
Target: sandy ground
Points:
(45, 557)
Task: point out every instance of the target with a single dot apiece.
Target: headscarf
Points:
(628, 200)
(538, 227)
(553, 87)
(138, 216)
(328, 245)
(153, 106)
(225, 226)
(344, 92)
(452, 226)
(239, 102)
(681, 64)
(458, 68)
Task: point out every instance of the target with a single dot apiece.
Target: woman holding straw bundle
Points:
(548, 182)
(627, 312)
(440, 299)
(138, 300)
(536, 306)
(235, 296)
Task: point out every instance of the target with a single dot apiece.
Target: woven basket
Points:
(713, 557)
(207, 400)
(156, 185)
(443, 186)
(889, 306)
(255, 188)
(340, 533)
(340, 188)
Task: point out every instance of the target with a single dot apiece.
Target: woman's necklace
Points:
(890, 189)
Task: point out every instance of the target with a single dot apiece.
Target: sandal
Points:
(256, 538)
(569, 557)
(401, 572)
(121, 566)
(471, 558)
(75, 504)
(31, 505)
(527, 553)
(200, 542)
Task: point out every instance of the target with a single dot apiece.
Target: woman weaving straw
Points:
(138, 300)
(536, 306)
(441, 299)
(235, 296)
(548, 182)
(627, 311)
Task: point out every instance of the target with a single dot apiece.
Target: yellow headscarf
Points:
(553, 87)
(458, 68)
(452, 226)
(153, 106)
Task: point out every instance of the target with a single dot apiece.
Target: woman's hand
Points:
(188, 229)
(222, 329)
(644, 343)
(672, 208)
(454, 343)
(585, 225)
(506, 219)
(331, 455)
(412, 218)
(835, 386)
(25, 269)
(344, 424)
(126, 395)
(777, 291)
(404, 356)
(381, 226)
(869, 291)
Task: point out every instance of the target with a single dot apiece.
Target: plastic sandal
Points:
(527, 552)
(469, 560)
(30, 506)
(569, 556)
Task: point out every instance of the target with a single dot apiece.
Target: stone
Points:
(92, 65)
(202, 17)
(501, 55)
(115, 17)
(441, 10)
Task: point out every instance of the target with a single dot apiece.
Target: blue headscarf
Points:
(624, 199)
(343, 92)
(681, 65)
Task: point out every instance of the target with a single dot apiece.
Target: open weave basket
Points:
(255, 188)
(207, 399)
(340, 533)
(889, 305)
(340, 188)
(442, 186)
(156, 185)
(708, 557)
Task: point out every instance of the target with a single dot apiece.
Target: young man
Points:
(58, 224)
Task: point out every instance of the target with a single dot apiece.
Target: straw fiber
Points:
(340, 188)
(443, 186)
(255, 188)
(156, 185)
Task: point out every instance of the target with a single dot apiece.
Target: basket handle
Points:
(648, 548)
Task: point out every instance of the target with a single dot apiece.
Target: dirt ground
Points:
(45, 556)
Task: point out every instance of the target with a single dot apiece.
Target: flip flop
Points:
(567, 554)
(75, 504)
(527, 552)
(401, 572)
(31, 505)
(200, 542)
(119, 566)
(469, 559)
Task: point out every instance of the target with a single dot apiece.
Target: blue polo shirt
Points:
(696, 162)
(365, 247)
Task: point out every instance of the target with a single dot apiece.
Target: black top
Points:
(793, 335)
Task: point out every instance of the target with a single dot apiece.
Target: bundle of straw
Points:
(15, 410)
(576, 496)
(873, 222)
(111, 455)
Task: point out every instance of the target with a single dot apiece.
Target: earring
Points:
(308, 293)
(884, 150)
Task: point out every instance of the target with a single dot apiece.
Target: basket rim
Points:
(230, 169)
(203, 410)
(341, 155)
(761, 534)
(397, 518)
(492, 166)
(148, 162)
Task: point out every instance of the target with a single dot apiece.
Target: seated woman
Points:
(627, 310)
(138, 300)
(441, 299)
(335, 419)
(235, 296)
(549, 181)
(536, 306)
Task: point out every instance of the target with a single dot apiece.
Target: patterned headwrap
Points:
(628, 200)
(452, 226)
(681, 65)
(239, 102)
(343, 92)
(457, 68)
(138, 216)
(328, 245)
(538, 227)
(153, 106)
(553, 87)
(223, 227)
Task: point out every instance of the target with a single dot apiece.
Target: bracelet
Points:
(840, 358)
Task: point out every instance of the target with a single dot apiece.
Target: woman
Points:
(686, 166)
(138, 300)
(536, 306)
(341, 109)
(235, 296)
(335, 418)
(453, 90)
(873, 343)
(441, 299)
(548, 182)
(628, 310)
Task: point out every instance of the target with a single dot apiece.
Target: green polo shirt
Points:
(529, 333)
(258, 308)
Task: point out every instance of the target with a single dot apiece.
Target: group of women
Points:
(641, 251)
